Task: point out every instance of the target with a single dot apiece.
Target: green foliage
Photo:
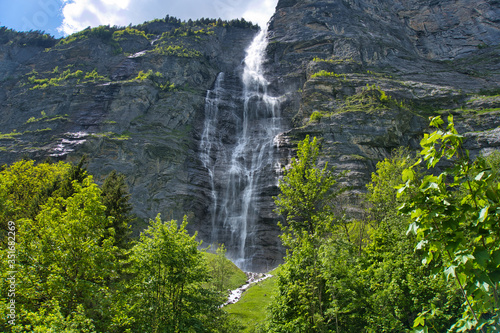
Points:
(204, 23)
(306, 195)
(127, 32)
(315, 116)
(359, 275)
(105, 33)
(301, 299)
(75, 265)
(24, 186)
(382, 75)
(46, 118)
(112, 136)
(335, 60)
(64, 77)
(381, 194)
(94, 77)
(157, 79)
(306, 203)
(456, 219)
(225, 275)
(184, 31)
(316, 59)
(170, 274)
(324, 73)
(9, 136)
(371, 99)
(49, 319)
(33, 38)
(180, 51)
(63, 255)
(115, 198)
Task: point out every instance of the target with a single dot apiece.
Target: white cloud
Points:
(79, 14)
(260, 11)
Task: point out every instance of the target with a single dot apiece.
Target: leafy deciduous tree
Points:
(306, 203)
(456, 218)
(171, 274)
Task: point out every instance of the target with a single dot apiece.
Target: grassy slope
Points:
(251, 309)
(235, 276)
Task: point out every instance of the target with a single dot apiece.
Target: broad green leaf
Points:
(452, 245)
(408, 175)
(462, 277)
(482, 256)
(450, 271)
(483, 214)
(419, 321)
(436, 121)
(492, 195)
(495, 276)
(450, 121)
(496, 257)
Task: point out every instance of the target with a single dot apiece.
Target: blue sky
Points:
(63, 17)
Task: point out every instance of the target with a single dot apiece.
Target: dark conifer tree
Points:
(116, 199)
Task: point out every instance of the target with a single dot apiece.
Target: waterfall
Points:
(237, 149)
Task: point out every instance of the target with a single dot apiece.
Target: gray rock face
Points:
(424, 54)
(334, 60)
(146, 128)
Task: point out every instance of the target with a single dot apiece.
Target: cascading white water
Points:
(237, 149)
(210, 142)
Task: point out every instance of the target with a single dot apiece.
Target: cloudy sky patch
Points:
(79, 14)
(63, 17)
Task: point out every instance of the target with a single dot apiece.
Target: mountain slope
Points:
(365, 75)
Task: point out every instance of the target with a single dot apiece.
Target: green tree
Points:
(63, 256)
(169, 288)
(220, 273)
(76, 173)
(381, 193)
(307, 194)
(24, 186)
(455, 218)
(66, 259)
(340, 281)
(306, 202)
(116, 199)
(379, 285)
(397, 285)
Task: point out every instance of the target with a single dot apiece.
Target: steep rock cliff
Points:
(365, 75)
(131, 99)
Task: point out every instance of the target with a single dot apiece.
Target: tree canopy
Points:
(384, 273)
(66, 243)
